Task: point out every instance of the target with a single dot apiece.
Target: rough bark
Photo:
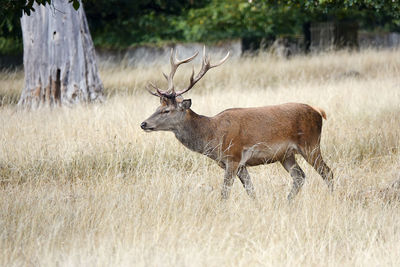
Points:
(59, 57)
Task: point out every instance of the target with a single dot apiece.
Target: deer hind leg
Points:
(314, 158)
(230, 170)
(291, 166)
(244, 177)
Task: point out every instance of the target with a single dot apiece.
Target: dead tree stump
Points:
(59, 57)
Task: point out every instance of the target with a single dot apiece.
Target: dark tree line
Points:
(122, 23)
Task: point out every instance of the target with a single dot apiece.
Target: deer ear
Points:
(185, 104)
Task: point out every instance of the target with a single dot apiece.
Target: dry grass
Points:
(85, 186)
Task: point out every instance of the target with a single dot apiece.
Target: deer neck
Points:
(196, 132)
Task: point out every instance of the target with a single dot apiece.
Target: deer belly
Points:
(262, 153)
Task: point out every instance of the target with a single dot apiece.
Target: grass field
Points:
(85, 186)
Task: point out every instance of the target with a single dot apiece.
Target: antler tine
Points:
(174, 66)
(165, 75)
(150, 91)
(204, 61)
(158, 90)
(205, 66)
(222, 61)
(172, 73)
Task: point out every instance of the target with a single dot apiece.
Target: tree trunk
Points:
(59, 57)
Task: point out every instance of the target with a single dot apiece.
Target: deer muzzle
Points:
(145, 127)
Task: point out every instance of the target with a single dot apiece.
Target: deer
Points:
(238, 138)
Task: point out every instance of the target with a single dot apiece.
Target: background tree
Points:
(59, 57)
(118, 24)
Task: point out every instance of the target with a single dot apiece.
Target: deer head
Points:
(173, 107)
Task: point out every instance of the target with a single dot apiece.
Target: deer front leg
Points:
(244, 177)
(230, 170)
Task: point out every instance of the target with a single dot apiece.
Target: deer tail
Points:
(320, 111)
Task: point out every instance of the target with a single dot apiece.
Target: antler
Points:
(170, 92)
(205, 66)
(158, 92)
(174, 66)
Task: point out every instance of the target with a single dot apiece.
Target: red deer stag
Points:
(241, 137)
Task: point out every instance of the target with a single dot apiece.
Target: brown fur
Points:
(295, 123)
(241, 137)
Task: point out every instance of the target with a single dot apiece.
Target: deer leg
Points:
(221, 164)
(291, 166)
(230, 169)
(244, 177)
(315, 159)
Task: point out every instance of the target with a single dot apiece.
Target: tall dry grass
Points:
(84, 186)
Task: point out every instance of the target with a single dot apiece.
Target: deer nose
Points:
(143, 125)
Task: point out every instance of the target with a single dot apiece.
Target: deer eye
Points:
(165, 111)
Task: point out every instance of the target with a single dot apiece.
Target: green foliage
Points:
(10, 7)
(122, 23)
(10, 46)
(235, 19)
(10, 26)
